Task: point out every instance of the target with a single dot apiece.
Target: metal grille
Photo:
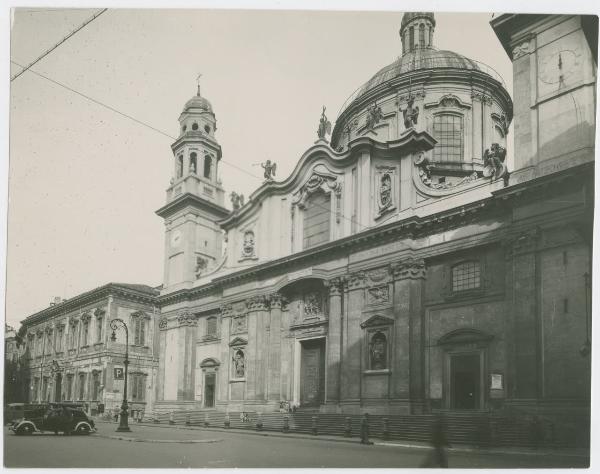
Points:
(466, 276)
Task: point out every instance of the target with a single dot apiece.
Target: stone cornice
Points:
(90, 297)
(189, 199)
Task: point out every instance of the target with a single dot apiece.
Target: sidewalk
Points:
(582, 453)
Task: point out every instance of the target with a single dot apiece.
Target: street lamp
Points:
(123, 425)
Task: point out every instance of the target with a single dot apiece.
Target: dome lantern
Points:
(416, 31)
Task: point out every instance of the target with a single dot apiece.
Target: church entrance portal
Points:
(312, 372)
(465, 381)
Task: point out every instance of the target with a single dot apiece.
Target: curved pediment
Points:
(466, 335)
(210, 362)
(377, 320)
(238, 341)
(334, 162)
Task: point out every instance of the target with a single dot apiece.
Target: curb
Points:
(399, 444)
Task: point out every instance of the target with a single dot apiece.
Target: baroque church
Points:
(410, 269)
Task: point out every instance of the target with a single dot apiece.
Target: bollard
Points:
(286, 424)
(348, 427)
(386, 428)
(313, 429)
(188, 421)
(259, 423)
(227, 421)
(171, 419)
(364, 430)
(206, 421)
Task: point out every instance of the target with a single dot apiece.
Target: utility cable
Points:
(140, 122)
(48, 51)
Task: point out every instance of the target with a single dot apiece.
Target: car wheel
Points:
(83, 430)
(25, 430)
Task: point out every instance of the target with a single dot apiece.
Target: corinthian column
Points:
(274, 375)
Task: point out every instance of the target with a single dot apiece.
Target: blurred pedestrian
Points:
(364, 430)
(439, 443)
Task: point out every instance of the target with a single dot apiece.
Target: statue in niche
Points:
(237, 200)
(493, 161)
(312, 308)
(248, 244)
(378, 352)
(270, 169)
(385, 191)
(239, 364)
(410, 113)
(374, 115)
(324, 126)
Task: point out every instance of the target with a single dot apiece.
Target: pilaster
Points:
(274, 375)
(162, 341)
(408, 366)
(334, 340)
(187, 336)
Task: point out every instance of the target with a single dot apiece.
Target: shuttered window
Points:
(317, 217)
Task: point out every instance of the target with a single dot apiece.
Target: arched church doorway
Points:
(209, 368)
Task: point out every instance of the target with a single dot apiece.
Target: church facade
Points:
(400, 268)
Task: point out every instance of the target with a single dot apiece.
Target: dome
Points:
(426, 58)
(197, 102)
(408, 17)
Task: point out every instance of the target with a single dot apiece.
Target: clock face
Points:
(176, 238)
(559, 67)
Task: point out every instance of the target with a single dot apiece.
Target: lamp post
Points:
(123, 424)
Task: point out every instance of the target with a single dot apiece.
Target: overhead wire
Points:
(147, 125)
(49, 50)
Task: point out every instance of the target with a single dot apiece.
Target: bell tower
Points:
(195, 197)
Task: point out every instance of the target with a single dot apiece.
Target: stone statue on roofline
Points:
(324, 126)
(237, 200)
(374, 116)
(493, 161)
(270, 169)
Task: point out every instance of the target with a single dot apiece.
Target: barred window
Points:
(466, 276)
(422, 35)
(448, 131)
(211, 326)
(139, 329)
(138, 387)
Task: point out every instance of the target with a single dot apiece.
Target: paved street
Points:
(208, 448)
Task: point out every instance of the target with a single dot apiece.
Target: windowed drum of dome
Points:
(448, 130)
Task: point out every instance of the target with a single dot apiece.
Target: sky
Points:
(85, 181)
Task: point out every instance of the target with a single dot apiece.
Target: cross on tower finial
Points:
(198, 82)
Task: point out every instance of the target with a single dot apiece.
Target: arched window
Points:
(193, 162)
(180, 166)
(448, 131)
(421, 35)
(466, 276)
(317, 217)
(411, 38)
(184, 128)
(207, 128)
(81, 386)
(207, 166)
(378, 352)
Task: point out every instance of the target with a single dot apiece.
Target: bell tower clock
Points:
(193, 238)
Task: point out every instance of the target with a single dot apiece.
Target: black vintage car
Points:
(65, 418)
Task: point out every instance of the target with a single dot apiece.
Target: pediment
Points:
(461, 336)
(238, 341)
(210, 362)
(377, 320)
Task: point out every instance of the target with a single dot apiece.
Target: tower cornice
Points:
(188, 199)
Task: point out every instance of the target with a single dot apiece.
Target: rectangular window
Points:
(448, 131)
(95, 385)
(211, 326)
(138, 331)
(69, 387)
(59, 338)
(99, 322)
(466, 276)
(354, 200)
(138, 385)
(85, 333)
(317, 217)
(81, 386)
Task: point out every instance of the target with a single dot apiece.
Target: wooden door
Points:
(312, 373)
